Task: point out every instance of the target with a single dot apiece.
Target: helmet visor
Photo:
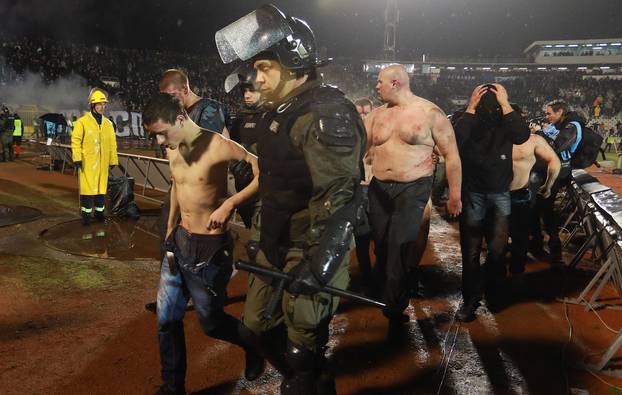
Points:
(231, 82)
(252, 34)
(243, 74)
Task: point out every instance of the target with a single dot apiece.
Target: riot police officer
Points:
(244, 131)
(309, 152)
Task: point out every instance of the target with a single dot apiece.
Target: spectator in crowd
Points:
(486, 133)
(522, 194)
(402, 135)
(200, 262)
(362, 238)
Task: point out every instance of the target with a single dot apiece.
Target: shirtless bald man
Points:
(403, 134)
(201, 261)
(522, 194)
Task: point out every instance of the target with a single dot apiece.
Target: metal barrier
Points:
(598, 213)
(151, 175)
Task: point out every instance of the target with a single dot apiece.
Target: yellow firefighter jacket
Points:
(96, 147)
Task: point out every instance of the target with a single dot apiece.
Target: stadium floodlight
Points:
(560, 45)
(581, 68)
(548, 46)
(541, 68)
(450, 68)
(572, 45)
(602, 45)
(615, 44)
(485, 68)
(597, 48)
(504, 68)
(466, 68)
(589, 45)
(562, 68)
(605, 67)
(522, 68)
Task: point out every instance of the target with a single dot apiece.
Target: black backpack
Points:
(586, 147)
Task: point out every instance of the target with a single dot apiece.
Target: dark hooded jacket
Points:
(485, 145)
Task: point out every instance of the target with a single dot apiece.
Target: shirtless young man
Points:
(201, 261)
(522, 194)
(403, 134)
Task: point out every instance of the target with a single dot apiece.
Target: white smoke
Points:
(30, 88)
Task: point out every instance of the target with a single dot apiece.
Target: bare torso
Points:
(401, 137)
(523, 159)
(200, 185)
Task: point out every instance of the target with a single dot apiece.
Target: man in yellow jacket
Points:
(94, 149)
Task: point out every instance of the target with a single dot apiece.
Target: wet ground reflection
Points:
(118, 238)
(11, 215)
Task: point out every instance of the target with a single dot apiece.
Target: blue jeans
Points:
(484, 216)
(208, 291)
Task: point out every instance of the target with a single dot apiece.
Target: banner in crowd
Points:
(129, 124)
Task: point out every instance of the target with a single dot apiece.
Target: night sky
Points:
(352, 28)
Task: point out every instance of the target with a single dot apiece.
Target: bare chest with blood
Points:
(402, 126)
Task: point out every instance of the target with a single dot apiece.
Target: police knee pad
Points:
(252, 249)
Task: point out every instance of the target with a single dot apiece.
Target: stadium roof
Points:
(567, 43)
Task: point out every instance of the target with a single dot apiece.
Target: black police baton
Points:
(284, 278)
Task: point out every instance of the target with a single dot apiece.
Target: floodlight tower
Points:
(391, 21)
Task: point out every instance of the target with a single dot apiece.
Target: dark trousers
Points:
(208, 291)
(8, 151)
(484, 216)
(520, 219)
(395, 213)
(87, 201)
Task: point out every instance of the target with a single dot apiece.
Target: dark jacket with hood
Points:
(485, 145)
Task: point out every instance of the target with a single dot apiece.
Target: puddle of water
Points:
(11, 215)
(116, 238)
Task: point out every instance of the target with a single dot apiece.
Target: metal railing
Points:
(597, 214)
(151, 175)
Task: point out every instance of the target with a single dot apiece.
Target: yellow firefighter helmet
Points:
(97, 96)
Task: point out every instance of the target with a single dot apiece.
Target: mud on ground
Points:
(74, 324)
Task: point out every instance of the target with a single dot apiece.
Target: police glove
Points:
(303, 280)
(77, 164)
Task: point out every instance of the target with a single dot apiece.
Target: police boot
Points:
(255, 356)
(325, 379)
(303, 379)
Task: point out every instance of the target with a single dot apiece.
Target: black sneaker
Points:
(466, 312)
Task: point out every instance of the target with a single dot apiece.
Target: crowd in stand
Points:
(138, 70)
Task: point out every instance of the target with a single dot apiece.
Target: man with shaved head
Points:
(403, 133)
